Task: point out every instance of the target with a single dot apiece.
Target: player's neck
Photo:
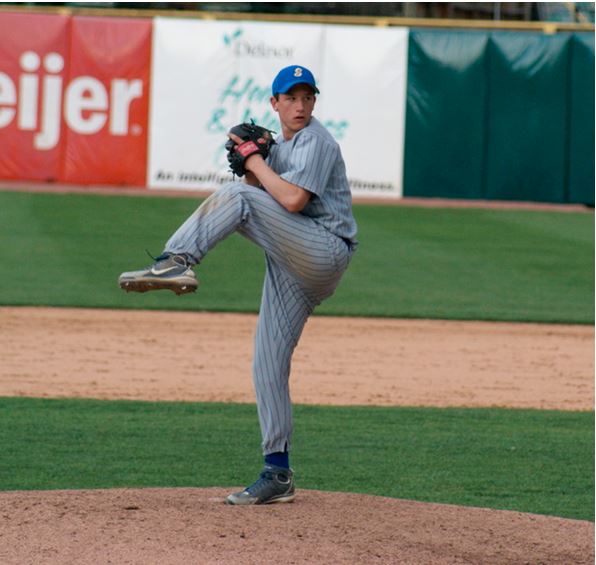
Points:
(289, 133)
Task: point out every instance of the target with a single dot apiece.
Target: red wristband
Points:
(247, 148)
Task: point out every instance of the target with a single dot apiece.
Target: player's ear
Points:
(274, 100)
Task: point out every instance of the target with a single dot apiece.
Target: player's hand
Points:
(237, 140)
(245, 142)
(250, 160)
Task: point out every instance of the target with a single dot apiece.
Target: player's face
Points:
(295, 109)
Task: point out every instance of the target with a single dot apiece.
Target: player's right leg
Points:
(282, 316)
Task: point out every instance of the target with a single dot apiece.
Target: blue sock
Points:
(279, 459)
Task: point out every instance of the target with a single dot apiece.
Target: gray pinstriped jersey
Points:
(312, 160)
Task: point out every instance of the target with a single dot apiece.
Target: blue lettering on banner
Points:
(214, 125)
(244, 92)
(244, 48)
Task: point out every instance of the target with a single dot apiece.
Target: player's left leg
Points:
(168, 271)
(295, 240)
(306, 249)
(216, 218)
(303, 246)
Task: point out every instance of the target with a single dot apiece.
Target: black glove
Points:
(255, 139)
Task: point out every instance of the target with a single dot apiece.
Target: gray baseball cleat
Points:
(169, 271)
(275, 484)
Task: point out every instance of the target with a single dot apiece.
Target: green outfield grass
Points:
(525, 460)
(68, 250)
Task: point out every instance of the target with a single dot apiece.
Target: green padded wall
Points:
(527, 104)
(500, 115)
(445, 114)
(581, 135)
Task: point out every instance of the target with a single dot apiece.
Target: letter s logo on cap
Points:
(297, 72)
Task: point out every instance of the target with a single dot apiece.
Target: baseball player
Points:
(296, 205)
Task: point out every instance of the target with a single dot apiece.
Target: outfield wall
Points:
(513, 117)
(146, 102)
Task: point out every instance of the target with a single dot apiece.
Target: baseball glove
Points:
(255, 139)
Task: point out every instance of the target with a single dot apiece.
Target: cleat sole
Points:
(145, 286)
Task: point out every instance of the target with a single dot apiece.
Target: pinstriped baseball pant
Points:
(304, 264)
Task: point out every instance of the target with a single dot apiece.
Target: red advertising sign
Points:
(34, 49)
(106, 103)
(74, 98)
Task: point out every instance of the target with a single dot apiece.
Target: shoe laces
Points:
(183, 262)
(265, 476)
(161, 257)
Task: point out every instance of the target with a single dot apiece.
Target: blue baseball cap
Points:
(290, 76)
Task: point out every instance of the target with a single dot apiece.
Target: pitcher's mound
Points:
(180, 526)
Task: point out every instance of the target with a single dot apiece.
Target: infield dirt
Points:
(206, 357)
(193, 526)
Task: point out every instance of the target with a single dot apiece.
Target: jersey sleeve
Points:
(311, 163)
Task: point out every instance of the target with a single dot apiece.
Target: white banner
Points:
(208, 76)
(363, 87)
